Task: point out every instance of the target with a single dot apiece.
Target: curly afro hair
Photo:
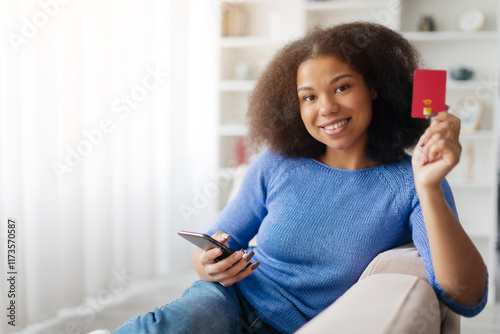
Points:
(384, 58)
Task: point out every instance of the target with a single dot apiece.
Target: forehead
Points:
(322, 67)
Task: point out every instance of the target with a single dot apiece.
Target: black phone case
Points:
(206, 242)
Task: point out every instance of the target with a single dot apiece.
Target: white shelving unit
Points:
(269, 25)
(474, 180)
(272, 23)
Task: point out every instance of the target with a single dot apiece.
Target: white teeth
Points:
(336, 125)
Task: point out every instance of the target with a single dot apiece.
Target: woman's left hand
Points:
(437, 151)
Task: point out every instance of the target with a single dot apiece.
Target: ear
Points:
(374, 94)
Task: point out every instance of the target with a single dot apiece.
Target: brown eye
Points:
(309, 98)
(341, 88)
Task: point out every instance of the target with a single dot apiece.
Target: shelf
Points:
(344, 4)
(237, 130)
(237, 85)
(418, 36)
(248, 42)
(467, 85)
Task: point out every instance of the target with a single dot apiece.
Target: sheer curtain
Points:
(99, 134)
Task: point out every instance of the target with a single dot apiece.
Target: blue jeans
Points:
(205, 307)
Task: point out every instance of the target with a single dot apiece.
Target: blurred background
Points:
(122, 122)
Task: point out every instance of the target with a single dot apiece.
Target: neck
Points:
(342, 159)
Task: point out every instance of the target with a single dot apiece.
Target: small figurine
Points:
(462, 73)
(426, 24)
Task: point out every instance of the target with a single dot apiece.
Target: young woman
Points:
(333, 189)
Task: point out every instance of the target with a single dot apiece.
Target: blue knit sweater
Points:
(318, 229)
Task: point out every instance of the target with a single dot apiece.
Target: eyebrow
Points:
(334, 80)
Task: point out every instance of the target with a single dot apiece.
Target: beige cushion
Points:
(381, 304)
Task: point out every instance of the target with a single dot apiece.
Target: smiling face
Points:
(335, 104)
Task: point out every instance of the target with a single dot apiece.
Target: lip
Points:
(334, 121)
(336, 131)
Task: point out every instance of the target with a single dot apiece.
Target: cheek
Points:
(303, 114)
(306, 111)
(366, 107)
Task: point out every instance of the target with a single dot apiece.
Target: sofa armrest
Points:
(400, 260)
(405, 259)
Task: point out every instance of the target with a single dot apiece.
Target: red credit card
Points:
(429, 93)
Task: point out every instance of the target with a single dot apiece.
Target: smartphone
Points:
(429, 93)
(206, 242)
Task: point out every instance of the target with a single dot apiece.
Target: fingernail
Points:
(218, 251)
(249, 256)
(255, 265)
(238, 255)
(226, 236)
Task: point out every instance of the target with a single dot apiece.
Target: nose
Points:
(328, 105)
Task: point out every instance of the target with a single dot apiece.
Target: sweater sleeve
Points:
(421, 241)
(241, 218)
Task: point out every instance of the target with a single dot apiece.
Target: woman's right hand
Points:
(229, 270)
